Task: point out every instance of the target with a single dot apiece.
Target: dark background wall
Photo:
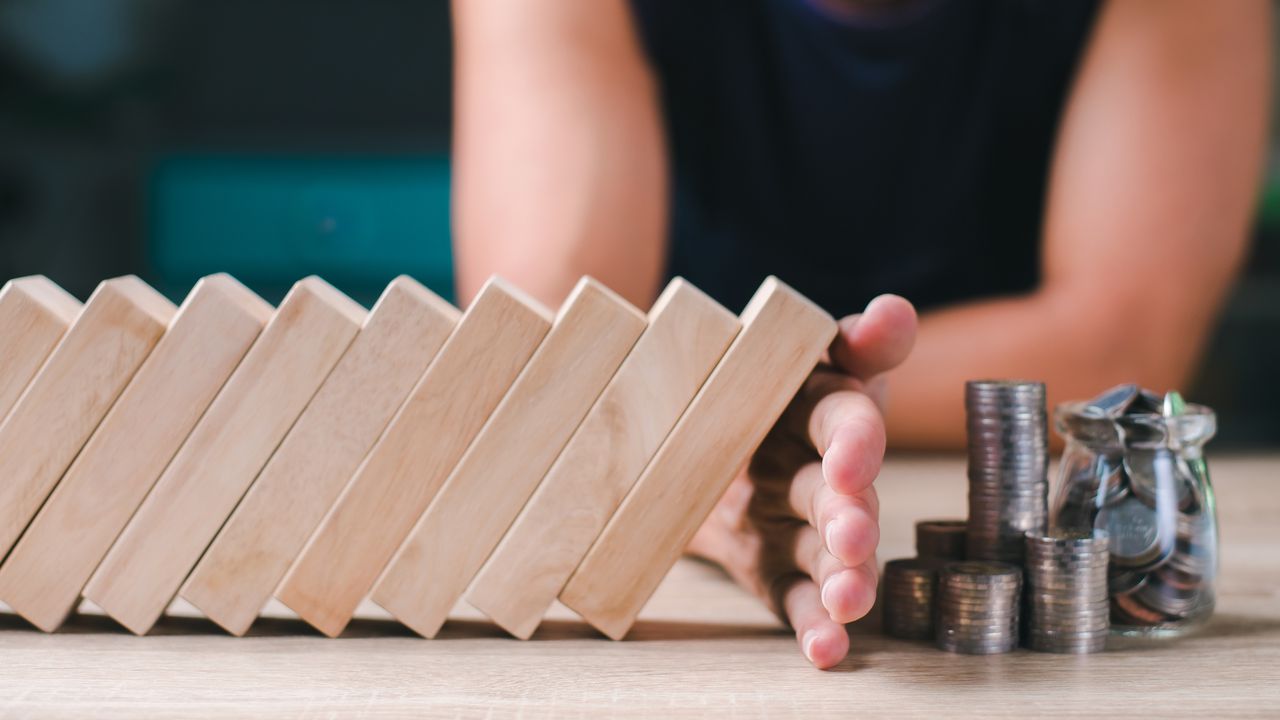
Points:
(277, 138)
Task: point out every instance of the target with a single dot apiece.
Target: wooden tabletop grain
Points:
(701, 648)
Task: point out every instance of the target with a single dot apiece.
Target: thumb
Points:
(877, 339)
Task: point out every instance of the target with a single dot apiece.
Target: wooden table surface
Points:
(702, 647)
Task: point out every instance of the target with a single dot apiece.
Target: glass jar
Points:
(1134, 466)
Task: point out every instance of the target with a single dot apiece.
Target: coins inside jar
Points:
(1134, 470)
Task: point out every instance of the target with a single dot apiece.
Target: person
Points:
(1064, 188)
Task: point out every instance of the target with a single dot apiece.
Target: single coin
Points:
(1123, 582)
(1129, 610)
(1115, 401)
(1173, 404)
(1134, 531)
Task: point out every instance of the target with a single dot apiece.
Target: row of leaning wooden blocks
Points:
(226, 451)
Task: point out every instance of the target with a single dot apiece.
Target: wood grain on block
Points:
(249, 556)
(591, 335)
(782, 338)
(34, 315)
(73, 389)
(686, 335)
(224, 453)
(409, 463)
(43, 576)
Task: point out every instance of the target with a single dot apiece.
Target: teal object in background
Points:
(356, 221)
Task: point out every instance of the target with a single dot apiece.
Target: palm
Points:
(798, 527)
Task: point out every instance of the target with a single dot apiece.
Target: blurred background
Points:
(274, 140)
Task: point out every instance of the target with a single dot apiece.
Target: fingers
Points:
(848, 524)
(876, 340)
(849, 594)
(846, 593)
(847, 430)
(833, 415)
(822, 640)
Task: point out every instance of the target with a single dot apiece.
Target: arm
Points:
(558, 162)
(558, 159)
(1150, 201)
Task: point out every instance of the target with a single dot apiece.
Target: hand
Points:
(799, 526)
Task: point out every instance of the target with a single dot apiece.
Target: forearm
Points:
(1151, 193)
(558, 161)
(1055, 335)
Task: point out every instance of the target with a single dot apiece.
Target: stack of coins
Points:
(978, 607)
(1008, 466)
(909, 587)
(941, 539)
(1067, 605)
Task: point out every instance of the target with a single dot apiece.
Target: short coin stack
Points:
(1008, 466)
(941, 539)
(909, 588)
(1067, 591)
(978, 605)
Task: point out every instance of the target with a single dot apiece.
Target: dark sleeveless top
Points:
(904, 152)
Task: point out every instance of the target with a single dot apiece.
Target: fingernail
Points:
(810, 638)
(826, 536)
(828, 595)
(830, 460)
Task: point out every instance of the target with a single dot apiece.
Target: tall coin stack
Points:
(909, 588)
(978, 604)
(1008, 466)
(1067, 591)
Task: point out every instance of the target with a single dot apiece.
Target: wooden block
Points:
(304, 477)
(74, 388)
(411, 460)
(685, 338)
(43, 576)
(34, 315)
(224, 453)
(783, 337)
(592, 334)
